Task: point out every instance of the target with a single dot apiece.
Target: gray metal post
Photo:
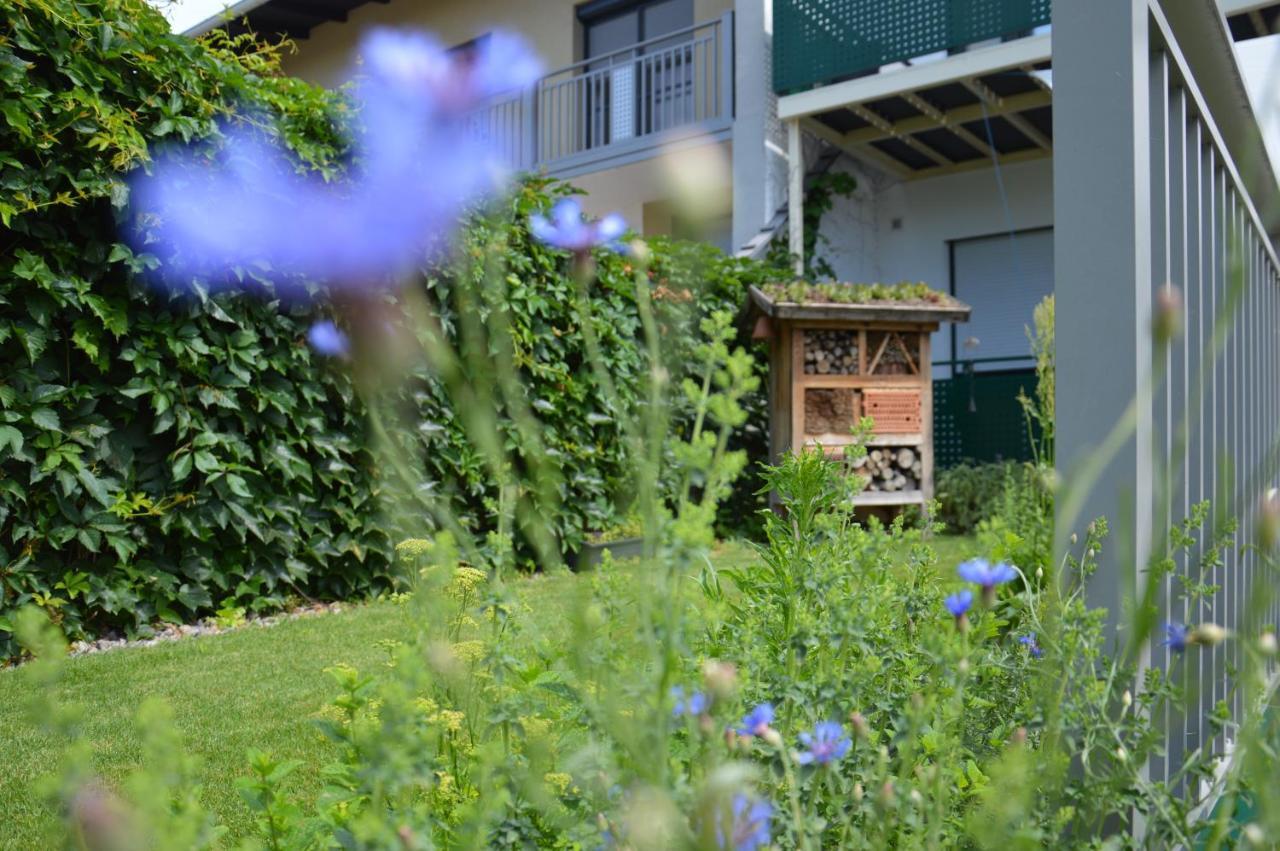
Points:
(724, 44)
(1102, 269)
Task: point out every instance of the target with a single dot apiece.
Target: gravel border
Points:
(208, 626)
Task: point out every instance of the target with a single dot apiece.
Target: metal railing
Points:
(817, 42)
(603, 109)
(1159, 175)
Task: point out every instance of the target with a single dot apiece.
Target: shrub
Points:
(164, 457)
(969, 493)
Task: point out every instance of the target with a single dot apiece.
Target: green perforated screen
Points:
(976, 417)
(821, 41)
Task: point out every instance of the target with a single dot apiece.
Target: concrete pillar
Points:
(795, 194)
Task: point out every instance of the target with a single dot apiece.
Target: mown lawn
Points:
(250, 688)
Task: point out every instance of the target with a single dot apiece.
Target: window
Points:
(1002, 278)
(633, 91)
(610, 25)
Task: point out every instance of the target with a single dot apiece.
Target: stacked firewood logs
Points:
(890, 469)
(830, 352)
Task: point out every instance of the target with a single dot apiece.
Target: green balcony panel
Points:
(817, 42)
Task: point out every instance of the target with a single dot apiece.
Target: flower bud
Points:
(916, 797)
(772, 736)
(721, 679)
(1121, 753)
(1254, 834)
(1269, 521)
(1167, 322)
(640, 251)
(887, 798)
(859, 725)
(1208, 634)
(1127, 699)
(858, 791)
(963, 666)
(1074, 539)
(1039, 573)
(1267, 643)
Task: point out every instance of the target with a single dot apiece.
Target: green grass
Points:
(250, 688)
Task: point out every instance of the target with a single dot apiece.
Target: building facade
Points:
(701, 118)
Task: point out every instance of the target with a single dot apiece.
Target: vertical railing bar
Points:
(1160, 271)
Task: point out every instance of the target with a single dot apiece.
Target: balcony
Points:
(619, 107)
(820, 42)
(918, 88)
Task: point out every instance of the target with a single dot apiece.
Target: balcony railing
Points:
(818, 42)
(610, 108)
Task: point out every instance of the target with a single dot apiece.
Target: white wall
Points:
(892, 231)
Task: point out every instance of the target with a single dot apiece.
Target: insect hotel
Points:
(841, 352)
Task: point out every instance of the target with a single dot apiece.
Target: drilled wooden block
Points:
(896, 410)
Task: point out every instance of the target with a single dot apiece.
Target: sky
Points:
(184, 14)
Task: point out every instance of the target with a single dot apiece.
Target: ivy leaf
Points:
(206, 462)
(10, 436)
(46, 418)
(94, 486)
(182, 467)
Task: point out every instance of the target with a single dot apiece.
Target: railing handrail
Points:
(714, 23)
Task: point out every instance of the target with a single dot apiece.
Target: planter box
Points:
(591, 554)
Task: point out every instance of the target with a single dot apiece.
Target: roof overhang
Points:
(955, 113)
(292, 18)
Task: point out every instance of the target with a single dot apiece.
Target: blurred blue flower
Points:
(567, 229)
(418, 162)
(1033, 647)
(755, 722)
(327, 339)
(749, 829)
(958, 603)
(696, 705)
(1176, 637)
(981, 572)
(825, 744)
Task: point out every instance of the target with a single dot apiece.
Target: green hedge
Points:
(161, 456)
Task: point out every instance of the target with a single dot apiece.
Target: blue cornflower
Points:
(749, 829)
(981, 572)
(755, 722)
(1033, 647)
(825, 744)
(696, 705)
(568, 230)
(1177, 637)
(958, 603)
(421, 165)
(328, 339)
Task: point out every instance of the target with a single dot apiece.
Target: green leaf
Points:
(181, 467)
(46, 418)
(94, 486)
(206, 462)
(11, 437)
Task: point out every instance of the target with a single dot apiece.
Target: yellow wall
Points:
(325, 57)
(642, 191)
(645, 191)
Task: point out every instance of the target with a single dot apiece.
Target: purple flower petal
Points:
(249, 207)
(327, 339)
